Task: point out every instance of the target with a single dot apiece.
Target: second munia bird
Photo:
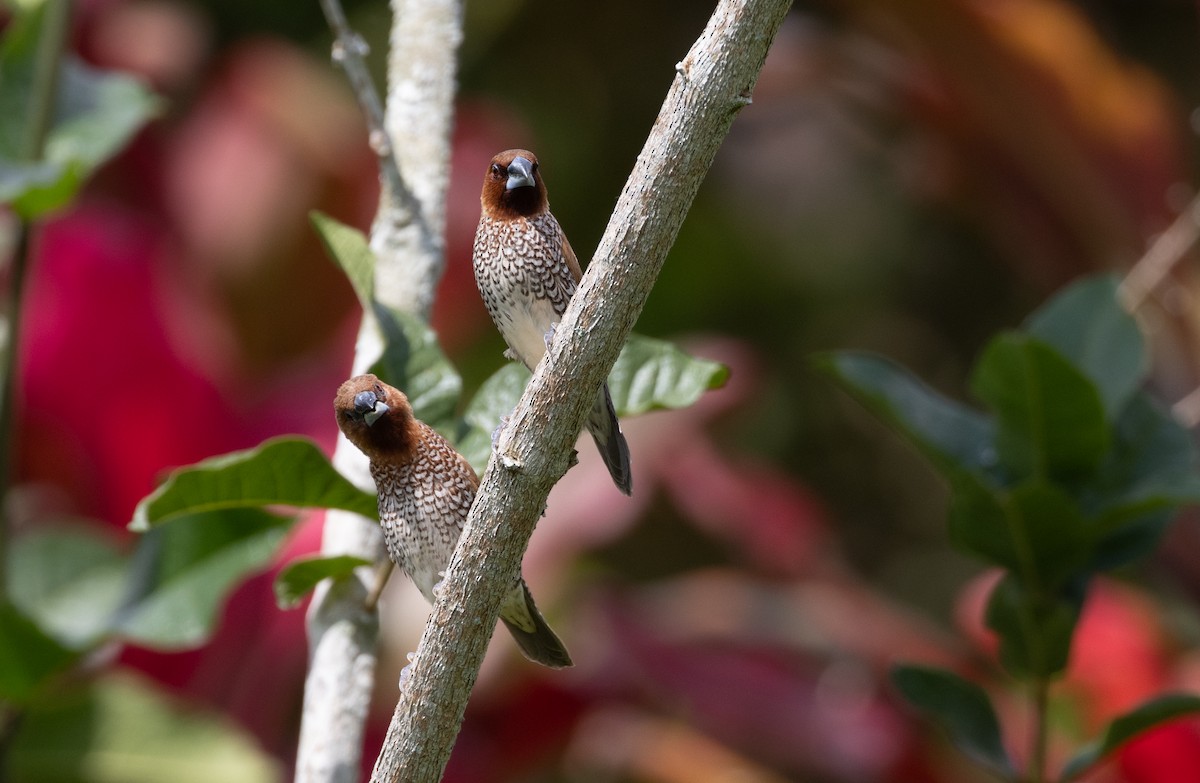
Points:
(426, 489)
(527, 272)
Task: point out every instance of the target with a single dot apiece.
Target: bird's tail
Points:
(606, 431)
(536, 639)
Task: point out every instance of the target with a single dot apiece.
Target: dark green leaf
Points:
(954, 437)
(28, 657)
(183, 570)
(1035, 628)
(959, 707)
(494, 400)
(1050, 524)
(649, 375)
(653, 374)
(349, 249)
(122, 729)
(1133, 540)
(1035, 529)
(288, 471)
(1126, 727)
(979, 525)
(1151, 467)
(95, 116)
(1088, 326)
(300, 576)
(413, 362)
(1051, 421)
(70, 580)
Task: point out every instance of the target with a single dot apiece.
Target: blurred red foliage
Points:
(188, 295)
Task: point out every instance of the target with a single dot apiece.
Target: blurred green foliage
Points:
(1066, 476)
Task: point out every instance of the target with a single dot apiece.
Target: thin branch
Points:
(408, 243)
(349, 51)
(1040, 731)
(1167, 251)
(713, 83)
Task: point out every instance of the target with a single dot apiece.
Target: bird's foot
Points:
(382, 572)
(437, 586)
(499, 428)
(512, 357)
(549, 336)
(406, 672)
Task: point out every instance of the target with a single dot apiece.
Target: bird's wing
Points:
(572, 261)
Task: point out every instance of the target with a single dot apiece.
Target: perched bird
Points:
(425, 493)
(527, 272)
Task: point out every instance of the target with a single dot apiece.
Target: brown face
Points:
(513, 187)
(375, 417)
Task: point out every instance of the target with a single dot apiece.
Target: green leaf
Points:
(1088, 326)
(1035, 529)
(29, 658)
(650, 374)
(1151, 467)
(349, 249)
(1051, 421)
(1133, 540)
(955, 438)
(413, 362)
(1035, 628)
(495, 399)
(71, 580)
(287, 471)
(123, 730)
(654, 374)
(959, 707)
(96, 114)
(1124, 728)
(300, 576)
(183, 571)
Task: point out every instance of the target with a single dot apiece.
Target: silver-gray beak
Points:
(370, 406)
(520, 174)
(373, 415)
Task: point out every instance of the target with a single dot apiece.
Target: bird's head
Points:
(374, 416)
(513, 186)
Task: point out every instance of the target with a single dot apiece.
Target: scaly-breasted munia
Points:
(425, 493)
(527, 272)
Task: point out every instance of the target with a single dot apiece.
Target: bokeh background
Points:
(911, 177)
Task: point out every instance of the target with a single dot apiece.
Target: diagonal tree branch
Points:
(713, 83)
(407, 237)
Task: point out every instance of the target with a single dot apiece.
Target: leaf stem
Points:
(40, 111)
(1039, 739)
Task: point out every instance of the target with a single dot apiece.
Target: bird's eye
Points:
(497, 170)
(535, 166)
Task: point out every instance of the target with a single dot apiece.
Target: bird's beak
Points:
(520, 174)
(370, 406)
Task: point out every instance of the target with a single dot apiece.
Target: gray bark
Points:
(712, 84)
(412, 139)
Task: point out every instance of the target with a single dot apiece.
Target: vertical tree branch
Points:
(419, 119)
(407, 236)
(713, 83)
